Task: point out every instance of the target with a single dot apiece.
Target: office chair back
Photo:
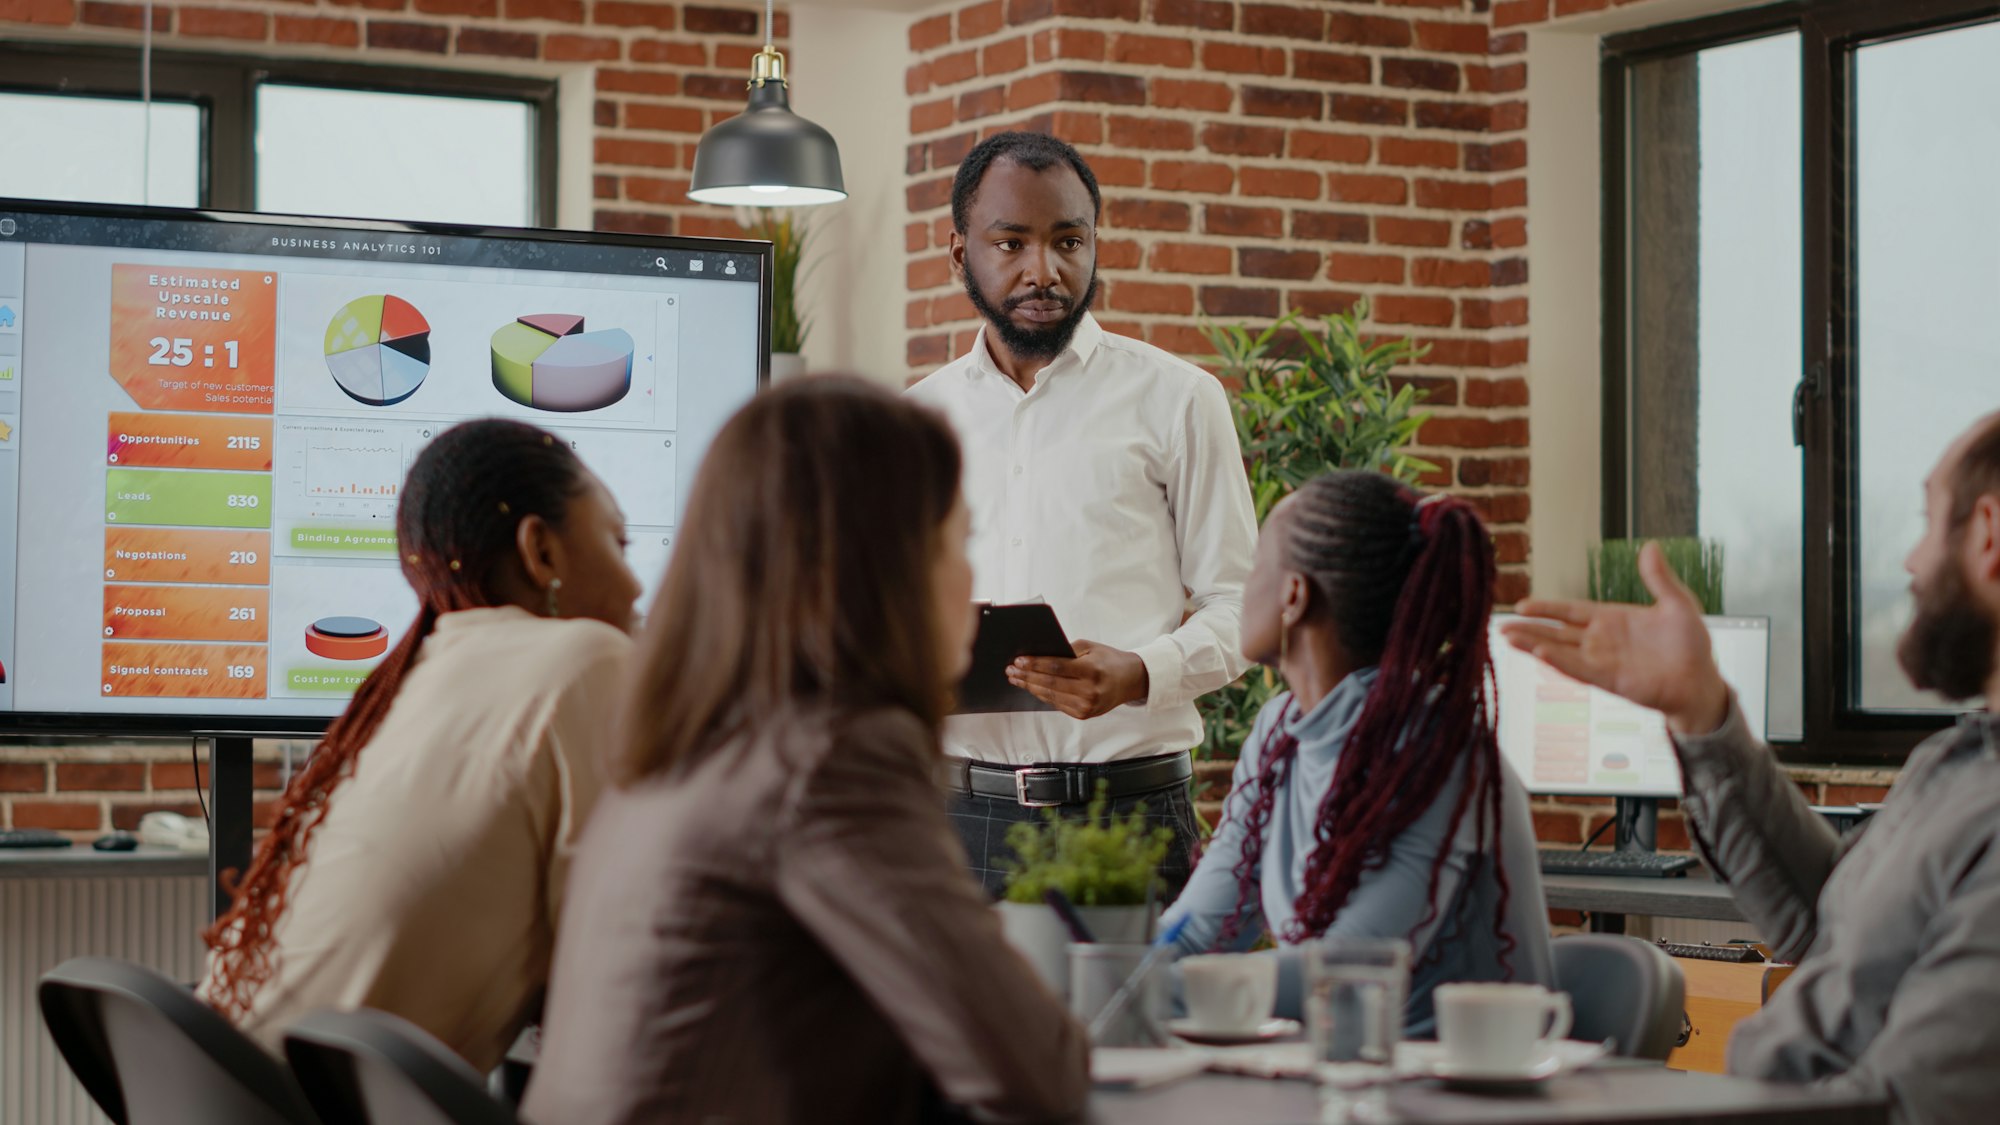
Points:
(149, 1053)
(1622, 990)
(372, 1068)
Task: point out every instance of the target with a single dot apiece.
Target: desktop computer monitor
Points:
(205, 419)
(1563, 737)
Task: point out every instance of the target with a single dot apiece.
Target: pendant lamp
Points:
(767, 156)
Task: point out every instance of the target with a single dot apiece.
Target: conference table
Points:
(1617, 1094)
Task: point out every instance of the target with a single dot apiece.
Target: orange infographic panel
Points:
(161, 554)
(188, 441)
(194, 339)
(186, 613)
(182, 671)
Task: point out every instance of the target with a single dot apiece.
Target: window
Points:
(253, 134)
(323, 151)
(1796, 272)
(1927, 163)
(82, 148)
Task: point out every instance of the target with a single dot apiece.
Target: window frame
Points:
(1826, 403)
(225, 86)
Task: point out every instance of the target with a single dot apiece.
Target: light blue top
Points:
(1458, 945)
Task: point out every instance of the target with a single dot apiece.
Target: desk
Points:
(1622, 1095)
(85, 862)
(1610, 897)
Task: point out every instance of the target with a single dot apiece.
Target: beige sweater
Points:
(433, 886)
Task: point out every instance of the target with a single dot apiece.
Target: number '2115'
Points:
(179, 352)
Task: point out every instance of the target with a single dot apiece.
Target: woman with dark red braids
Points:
(417, 863)
(1370, 801)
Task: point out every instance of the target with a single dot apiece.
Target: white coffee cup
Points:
(1228, 992)
(1499, 1028)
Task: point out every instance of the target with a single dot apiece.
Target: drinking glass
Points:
(1354, 1012)
(1096, 971)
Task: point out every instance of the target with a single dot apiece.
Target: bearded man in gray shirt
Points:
(1897, 932)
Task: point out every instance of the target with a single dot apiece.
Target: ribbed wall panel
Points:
(155, 922)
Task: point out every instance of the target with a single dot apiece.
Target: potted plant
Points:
(1313, 396)
(785, 229)
(1614, 570)
(1108, 867)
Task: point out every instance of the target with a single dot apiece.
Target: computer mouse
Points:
(120, 841)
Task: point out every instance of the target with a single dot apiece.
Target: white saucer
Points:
(1270, 1029)
(1428, 1060)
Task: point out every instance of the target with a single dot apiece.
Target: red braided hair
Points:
(1409, 586)
(455, 529)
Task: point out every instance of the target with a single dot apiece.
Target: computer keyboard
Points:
(1733, 953)
(32, 838)
(1645, 865)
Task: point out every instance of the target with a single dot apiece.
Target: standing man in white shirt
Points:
(1104, 476)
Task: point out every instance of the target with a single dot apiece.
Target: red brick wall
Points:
(1262, 156)
(85, 790)
(665, 71)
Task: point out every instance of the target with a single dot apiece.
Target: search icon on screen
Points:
(660, 262)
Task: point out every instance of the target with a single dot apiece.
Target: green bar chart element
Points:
(345, 541)
(180, 498)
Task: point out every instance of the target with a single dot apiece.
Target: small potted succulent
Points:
(1107, 865)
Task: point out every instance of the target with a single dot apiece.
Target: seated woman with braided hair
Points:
(1370, 800)
(417, 863)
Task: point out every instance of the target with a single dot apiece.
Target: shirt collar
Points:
(1981, 730)
(1082, 345)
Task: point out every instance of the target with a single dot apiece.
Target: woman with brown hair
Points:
(770, 920)
(418, 861)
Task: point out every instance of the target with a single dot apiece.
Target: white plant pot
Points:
(786, 365)
(1041, 937)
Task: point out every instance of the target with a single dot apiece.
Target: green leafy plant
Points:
(785, 229)
(1314, 395)
(1614, 570)
(1098, 860)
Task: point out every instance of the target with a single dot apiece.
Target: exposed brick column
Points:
(1263, 156)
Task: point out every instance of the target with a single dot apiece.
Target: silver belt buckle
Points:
(1021, 777)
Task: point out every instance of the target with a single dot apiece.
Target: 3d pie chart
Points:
(347, 638)
(549, 362)
(378, 349)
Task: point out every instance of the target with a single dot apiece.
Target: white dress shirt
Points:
(1115, 490)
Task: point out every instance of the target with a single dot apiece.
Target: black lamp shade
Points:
(767, 156)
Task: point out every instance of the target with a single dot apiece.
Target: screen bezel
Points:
(138, 724)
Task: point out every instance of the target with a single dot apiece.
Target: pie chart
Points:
(549, 362)
(378, 349)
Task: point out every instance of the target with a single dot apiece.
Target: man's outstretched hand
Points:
(1657, 656)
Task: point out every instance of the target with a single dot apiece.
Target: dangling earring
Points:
(1284, 639)
(555, 584)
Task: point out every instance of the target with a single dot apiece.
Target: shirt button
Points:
(1017, 470)
(1017, 542)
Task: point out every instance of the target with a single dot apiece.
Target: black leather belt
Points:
(1049, 785)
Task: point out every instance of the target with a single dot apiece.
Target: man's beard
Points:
(1948, 647)
(1043, 342)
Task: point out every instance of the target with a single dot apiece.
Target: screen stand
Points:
(1636, 828)
(1637, 824)
(231, 779)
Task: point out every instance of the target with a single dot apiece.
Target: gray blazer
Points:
(787, 932)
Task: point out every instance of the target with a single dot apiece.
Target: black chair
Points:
(149, 1053)
(1623, 990)
(372, 1068)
